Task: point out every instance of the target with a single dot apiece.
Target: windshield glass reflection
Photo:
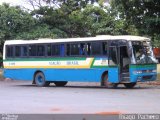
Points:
(142, 53)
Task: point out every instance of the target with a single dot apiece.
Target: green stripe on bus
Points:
(99, 66)
(92, 63)
(113, 66)
(43, 59)
(142, 66)
(104, 66)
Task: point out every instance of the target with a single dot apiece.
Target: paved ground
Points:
(22, 97)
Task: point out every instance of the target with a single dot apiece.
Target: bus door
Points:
(113, 64)
(124, 62)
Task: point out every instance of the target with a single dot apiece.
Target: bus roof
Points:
(99, 37)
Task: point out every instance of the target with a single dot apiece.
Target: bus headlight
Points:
(154, 71)
(137, 72)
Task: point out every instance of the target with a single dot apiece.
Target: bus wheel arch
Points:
(130, 85)
(60, 83)
(33, 82)
(39, 79)
(102, 78)
(105, 82)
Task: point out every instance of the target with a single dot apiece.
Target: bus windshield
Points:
(143, 53)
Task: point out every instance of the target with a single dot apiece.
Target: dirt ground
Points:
(77, 98)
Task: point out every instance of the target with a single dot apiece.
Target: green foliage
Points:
(80, 18)
(13, 20)
(143, 14)
(16, 23)
(89, 21)
(156, 40)
(37, 32)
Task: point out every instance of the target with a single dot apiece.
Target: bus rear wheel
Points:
(60, 83)
(129, 85)
(40, 80)
(106, 83)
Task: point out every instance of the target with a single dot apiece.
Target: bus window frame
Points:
(65, 49)
(116, 47)
(101, 50)
(14, 51)
(55, 56)
(86, 55)
(52, 48)
(46, 52)
(71, 43)
(13, 56)
(29, 51)
(37, 50)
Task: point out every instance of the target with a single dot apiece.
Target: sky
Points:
(22, 3)
(17, 2)
(13, 2)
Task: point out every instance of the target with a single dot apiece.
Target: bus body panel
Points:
(143, 73)
(19, 74)
(84, 75)
(80, 75)
(60, 69)
(113, 75)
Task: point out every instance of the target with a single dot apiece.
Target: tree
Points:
(13, 20)
(75, 19)
(143, 14)
(16, 23)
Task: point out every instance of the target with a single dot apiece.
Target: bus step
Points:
(125, 77)
(125, 74)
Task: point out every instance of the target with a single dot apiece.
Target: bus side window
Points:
(62, 50)
(113, 56)
(68, 49)
(32, 50)
(55, 50)
(9, 50)
(17, 51)
(48, 50)
(75, 49)
(40, 50)
(24, 51)
(104, 48)
(88, 48)
(82, 49)
(96, 48)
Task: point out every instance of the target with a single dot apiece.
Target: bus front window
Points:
(142, 53)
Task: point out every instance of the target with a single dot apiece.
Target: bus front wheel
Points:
(129, 85)
(40, 80)
(106, 83)
(60, 83)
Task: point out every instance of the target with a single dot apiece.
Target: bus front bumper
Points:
(143, 73)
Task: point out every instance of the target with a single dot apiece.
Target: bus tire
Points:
(40, 80)
(105, 83)
(129, 85)
(60, 83)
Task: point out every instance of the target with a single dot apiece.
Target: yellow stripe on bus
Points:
(52, 66)
(47, 66)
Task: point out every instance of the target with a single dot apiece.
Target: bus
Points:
(109, 60)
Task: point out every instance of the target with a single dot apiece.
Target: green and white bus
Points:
(109, 60)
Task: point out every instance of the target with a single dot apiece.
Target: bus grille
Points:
(147, 77)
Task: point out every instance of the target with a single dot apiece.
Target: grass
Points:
(1, 75)
(158, 77)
